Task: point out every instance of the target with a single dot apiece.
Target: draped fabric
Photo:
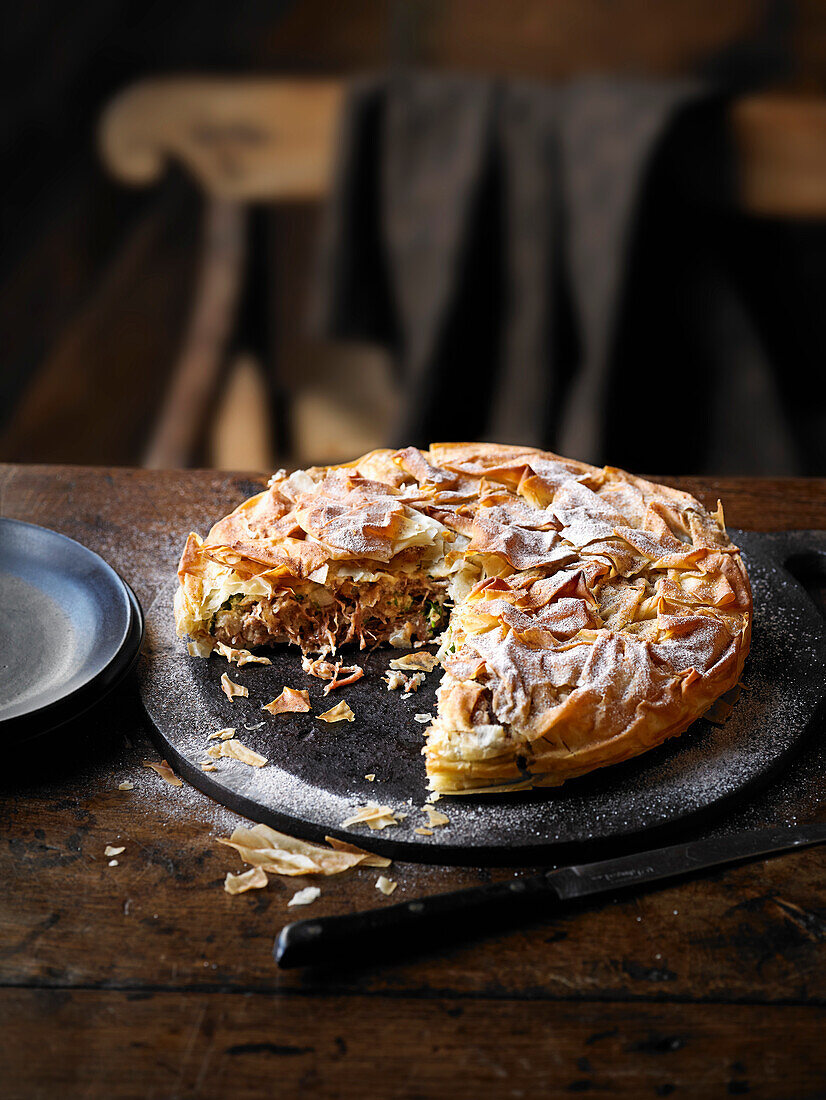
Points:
(548, 266)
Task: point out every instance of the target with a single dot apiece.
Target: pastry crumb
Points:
(413, 683)
(394, 680)
(386, 885)
(222, 735)
(435, 818)
(126, 785)
(109, 850)
(305, 896)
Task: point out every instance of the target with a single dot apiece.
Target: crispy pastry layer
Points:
(594, 614)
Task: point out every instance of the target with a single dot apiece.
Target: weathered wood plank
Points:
(217, 1045)
(754, 933)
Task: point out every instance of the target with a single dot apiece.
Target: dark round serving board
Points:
(315, 777)
(70, 629)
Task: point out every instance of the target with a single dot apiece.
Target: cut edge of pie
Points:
(584, 615)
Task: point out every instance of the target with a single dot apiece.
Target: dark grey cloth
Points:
(490, 235)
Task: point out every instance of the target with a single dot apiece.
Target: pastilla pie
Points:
(584, 615)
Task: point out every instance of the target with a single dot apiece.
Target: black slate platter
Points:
(315, 777)
(70, 629)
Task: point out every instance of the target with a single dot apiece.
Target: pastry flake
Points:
(290, 701)
(341, 712)
(415, 662)
(164, 771)
(281, 854)
(254, 879)
(369, 859)
(222, 735)
(240, 657)
(435, 818)
(305, 896)
(375, 816)
(233, 690)
(235, 750)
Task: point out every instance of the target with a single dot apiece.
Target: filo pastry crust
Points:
(586, 615)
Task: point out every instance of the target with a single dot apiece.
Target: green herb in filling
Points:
(433, 614)
(233, 601)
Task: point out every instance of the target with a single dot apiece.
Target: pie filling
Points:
(398, 611)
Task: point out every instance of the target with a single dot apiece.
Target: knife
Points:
(425, 921)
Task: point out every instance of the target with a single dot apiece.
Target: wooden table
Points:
(147, 980)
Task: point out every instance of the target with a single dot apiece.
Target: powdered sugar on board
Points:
(315, 776)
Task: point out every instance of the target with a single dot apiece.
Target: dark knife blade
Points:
(425, 920)
(589, 879)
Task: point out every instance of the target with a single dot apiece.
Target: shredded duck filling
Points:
(395, 610)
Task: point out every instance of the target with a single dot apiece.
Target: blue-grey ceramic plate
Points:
(70, 628)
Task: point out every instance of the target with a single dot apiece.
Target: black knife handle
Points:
(412, 924)
(356, 936)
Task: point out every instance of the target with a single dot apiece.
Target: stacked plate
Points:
(70, 628)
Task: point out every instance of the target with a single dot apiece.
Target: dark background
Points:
(96, 278)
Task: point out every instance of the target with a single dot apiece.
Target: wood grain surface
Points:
(147, 980)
